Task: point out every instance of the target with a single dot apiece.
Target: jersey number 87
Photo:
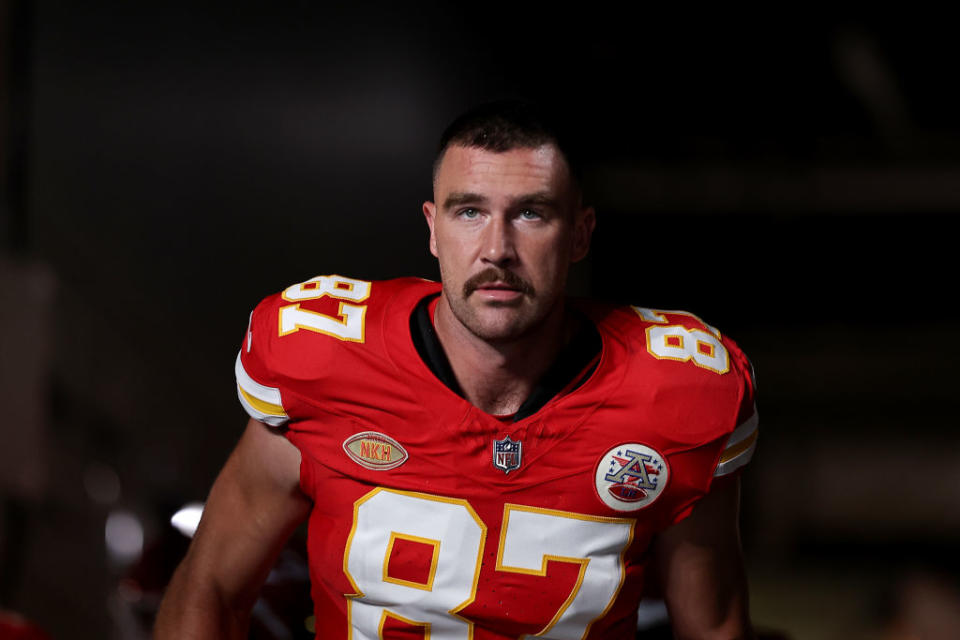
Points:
(530, 538)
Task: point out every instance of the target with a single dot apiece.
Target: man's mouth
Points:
(503, 286)
(498, 292)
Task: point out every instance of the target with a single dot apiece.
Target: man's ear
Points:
(582, 232)
(430, 213)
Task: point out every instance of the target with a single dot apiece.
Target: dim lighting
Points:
(101, 483)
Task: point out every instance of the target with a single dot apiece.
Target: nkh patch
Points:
(375, 451)
(631, 476)
(507, 454)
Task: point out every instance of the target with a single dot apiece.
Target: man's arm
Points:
(700, 563)
(254, 506)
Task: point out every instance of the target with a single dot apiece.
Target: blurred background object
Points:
(793, 180)
(15, 627)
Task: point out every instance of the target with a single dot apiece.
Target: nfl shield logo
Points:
(506, 454)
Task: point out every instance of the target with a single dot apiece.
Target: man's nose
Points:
(498, 249)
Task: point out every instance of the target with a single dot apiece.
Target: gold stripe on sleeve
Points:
(739, 448)
(261, 406)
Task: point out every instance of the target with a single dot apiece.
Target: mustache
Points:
(493, 274)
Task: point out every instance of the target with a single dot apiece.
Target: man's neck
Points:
(498, 377)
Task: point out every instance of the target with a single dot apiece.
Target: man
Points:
(486, 459)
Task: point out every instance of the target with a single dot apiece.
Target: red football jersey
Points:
(433, 517)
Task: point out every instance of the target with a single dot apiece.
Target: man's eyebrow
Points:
(540, 198)
(462, 197)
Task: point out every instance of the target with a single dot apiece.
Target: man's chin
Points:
(497, 336)
(510, 303)
(499, 323)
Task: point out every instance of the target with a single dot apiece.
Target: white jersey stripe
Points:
(260, 405)
(256, 414)
(740, 446)
(270, 395)
(734, 463)
(263, 403)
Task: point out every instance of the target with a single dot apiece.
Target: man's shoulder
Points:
(675, 356)
(327, 333)
(686, 374)
(304, 329)
(665, 335)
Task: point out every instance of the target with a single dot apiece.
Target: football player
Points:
(482, 457)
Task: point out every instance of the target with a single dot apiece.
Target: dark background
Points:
(794, 179)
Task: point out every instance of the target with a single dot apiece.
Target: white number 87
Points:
(530, 538)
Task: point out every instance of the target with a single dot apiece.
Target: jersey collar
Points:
(573, 366)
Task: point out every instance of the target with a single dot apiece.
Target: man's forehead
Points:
(525, 168)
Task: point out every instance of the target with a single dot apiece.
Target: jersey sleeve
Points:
(257, 389)
(742, 443)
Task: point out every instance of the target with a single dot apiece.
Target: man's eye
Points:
(469, 213)
(530, 214)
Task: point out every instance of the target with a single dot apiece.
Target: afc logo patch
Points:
(631, 476)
